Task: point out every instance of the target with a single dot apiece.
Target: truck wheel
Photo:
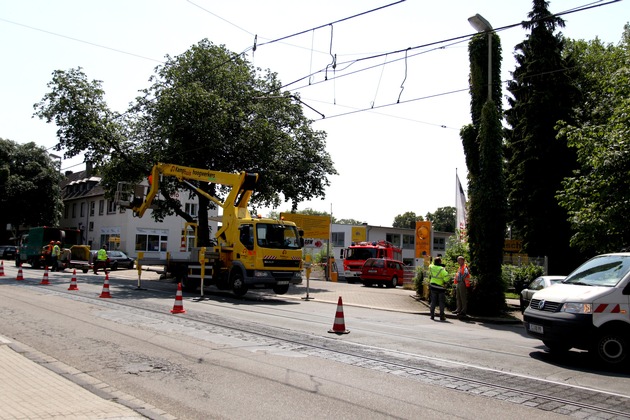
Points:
(556, 346)
(611, 347)
(238, 285)
(281, 290)
(393, 282)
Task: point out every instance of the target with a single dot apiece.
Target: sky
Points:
(393, 102)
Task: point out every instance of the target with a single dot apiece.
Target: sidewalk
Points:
(35, 386)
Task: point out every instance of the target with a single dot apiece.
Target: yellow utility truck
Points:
(249, 252)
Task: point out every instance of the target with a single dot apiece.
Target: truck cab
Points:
(589, 310)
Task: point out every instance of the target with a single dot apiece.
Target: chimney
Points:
(88, 169)
(68, 173)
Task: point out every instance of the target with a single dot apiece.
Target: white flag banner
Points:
(460, 205)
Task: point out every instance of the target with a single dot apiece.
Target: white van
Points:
(589, 310)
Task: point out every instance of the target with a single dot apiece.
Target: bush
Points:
(518, 277)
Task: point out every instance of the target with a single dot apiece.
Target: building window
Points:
(151, 243)
(439, 244)
(408, 242)
(191, 208)
(92, 206)
(112, 240)
(111, 207)
(91, 226)
(74, 210)
(394, 238)
(66, 209)
(101, 207)
(82, 209)
(338, 238)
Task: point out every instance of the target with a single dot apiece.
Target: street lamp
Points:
(482, 25)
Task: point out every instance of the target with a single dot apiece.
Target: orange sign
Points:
(423, 239)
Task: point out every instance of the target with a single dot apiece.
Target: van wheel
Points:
(556, 346)
(393, 282)
(611, 347)
(238, 284)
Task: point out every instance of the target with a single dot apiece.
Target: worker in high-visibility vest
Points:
(438, 278)
(101, 259)
(462, 283)
(54, 256)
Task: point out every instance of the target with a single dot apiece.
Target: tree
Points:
(542, 94)
(597, 194)
(206, 108)
(406, 220)
(482, 141)
(348, 222)
(29, 186)
(443, 219)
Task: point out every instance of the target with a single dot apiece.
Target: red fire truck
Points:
(356, 254)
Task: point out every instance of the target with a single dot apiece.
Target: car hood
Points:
(571, 293)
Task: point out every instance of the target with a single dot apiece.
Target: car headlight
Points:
(577, 308)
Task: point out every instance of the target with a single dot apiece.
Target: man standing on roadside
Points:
(462, 283)
(438, 277)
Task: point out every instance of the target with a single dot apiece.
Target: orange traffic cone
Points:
(178, 307)
(1, 268)
(45, 278)
(105, 291)
(73, 282)
(339, 326)
(20, 276)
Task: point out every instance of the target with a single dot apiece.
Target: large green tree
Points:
(207, 108)
(543, 93)
(443, 219)
(596, 196)
(407, 220)
(29, 187)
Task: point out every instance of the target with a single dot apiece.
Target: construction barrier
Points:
(20, 276)
(105, 291)
(45, 278)
(178, 307)
(73, 282)
(1, 268)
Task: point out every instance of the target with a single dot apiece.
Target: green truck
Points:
(33, 244)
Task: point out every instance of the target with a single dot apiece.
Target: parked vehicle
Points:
(7, 252)
(355, 256)
(118, 259)
(589, 310)
(382, 271)
(536, 285)
(247, 252)
(34, 245)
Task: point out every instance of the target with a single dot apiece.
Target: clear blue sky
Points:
(396, 149)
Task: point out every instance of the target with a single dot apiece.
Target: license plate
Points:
(371, 271)
(536, 328)
(282, 282)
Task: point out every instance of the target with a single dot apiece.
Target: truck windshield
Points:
(606, 270)
(360, 253)
(278, 236)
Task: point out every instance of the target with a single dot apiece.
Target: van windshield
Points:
(606, 270)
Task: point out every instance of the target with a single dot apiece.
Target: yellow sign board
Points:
(359, 234)
(313, 226)
(423, 239)
(513, 245)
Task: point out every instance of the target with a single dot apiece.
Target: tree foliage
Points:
(406, 220)
(596, 196)
(542, 94)
(29, 186)
(443, 219)
(207, 108)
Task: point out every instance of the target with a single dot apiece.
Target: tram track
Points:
(533, 392)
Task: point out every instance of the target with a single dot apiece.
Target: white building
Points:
(104, 223)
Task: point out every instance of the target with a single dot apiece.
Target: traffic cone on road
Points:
(45, 278)
(178, 307)
(73, 282)
(20, 276)
(105, 291)
(339, 326)
(1, 268)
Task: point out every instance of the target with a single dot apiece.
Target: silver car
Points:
(537, 284)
